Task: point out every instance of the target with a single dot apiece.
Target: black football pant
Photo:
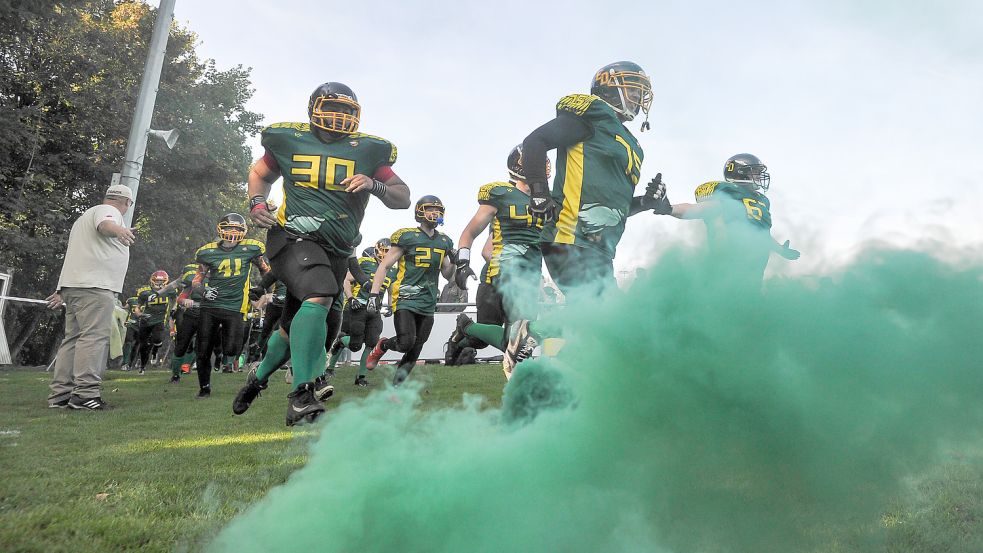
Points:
(270, 320)
(363, 328)
(187, 328)
(412, 331)
(149, 337)
(214, 324)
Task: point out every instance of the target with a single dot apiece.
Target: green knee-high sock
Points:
(308, 331)
(402, 373)
(277, 353)
(176, 365)
(127, 353)
(362, 369)
(493, 335)
(334, 356)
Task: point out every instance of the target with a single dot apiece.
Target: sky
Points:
(868, 114)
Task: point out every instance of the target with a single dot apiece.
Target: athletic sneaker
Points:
(463, 322)
(520, 347)
(248, 393)
(377, 352)
(302, 406)
(175, 379)
(227, 369)
(124, 368)
(62, 404)
(204, 392)
(322, 390)
(141, 370)
(361, 381)
(90, 404)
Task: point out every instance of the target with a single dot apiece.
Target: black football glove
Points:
(541, 203)
(210, 294)
(355, 304)
(374, 304)
(256, 292)
(655, 197)
(463, 265)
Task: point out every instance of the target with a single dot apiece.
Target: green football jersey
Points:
(187, 276)
(156, 309)
(595, 179)
(315, 203)
(737, 202)
(228, 271)
(515, 232)
(369, 265)
(415, 287)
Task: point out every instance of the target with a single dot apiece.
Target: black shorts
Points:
(574, 267)
(490, 308)
(305, 268)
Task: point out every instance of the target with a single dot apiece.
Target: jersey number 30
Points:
(321, 171)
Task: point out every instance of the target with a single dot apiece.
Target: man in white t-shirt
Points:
(91, 276)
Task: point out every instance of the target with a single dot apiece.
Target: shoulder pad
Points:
(575, 104)
(254, 243)
(208, 246)
(493, 189)
(390, 154)
(705, 190)
(399, 233)
(275, 127)
(365, 259)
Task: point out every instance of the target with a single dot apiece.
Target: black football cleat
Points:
(302, 406)
(250, 391)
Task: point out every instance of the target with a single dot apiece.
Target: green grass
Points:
(162, 471)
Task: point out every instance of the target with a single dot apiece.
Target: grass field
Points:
(163, 471)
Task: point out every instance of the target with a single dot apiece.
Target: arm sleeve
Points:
(356, 271)
(565, 130)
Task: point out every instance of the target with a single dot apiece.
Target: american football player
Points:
(598, 165)
(422, 253)
(737, 215)
(222, 279)
(155, 305)
(330, 171)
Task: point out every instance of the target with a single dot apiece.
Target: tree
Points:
(69, 77)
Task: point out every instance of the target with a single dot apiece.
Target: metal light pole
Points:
(136, 144)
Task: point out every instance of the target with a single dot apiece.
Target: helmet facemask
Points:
(336, 115)
(231, 232)
(633, 89)
(432, 213)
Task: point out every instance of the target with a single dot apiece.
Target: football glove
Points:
(256, 292)
(386, 312)
(655, 196)
(355, 304)
(151, 298)
(788, 253)
(374, 304)
(541, 203)
(210, 294)
(463, 265)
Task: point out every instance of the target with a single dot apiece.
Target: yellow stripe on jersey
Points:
(244, 308)
(281, 214)
(705, 190)
(394, 291)
(495, 263)
(573, 183)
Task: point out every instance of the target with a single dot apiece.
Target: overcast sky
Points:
(868, 114)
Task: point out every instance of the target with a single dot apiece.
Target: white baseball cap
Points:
(120, 191)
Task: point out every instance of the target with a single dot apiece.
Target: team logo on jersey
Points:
(354, 143)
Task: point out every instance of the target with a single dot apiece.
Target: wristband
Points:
(255, 201)
(464, 254)
(379, 189)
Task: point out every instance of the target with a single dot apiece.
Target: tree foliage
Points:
(69, 76)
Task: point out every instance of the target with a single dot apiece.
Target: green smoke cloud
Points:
(691, 413)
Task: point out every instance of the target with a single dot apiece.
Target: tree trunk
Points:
(26, 331)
